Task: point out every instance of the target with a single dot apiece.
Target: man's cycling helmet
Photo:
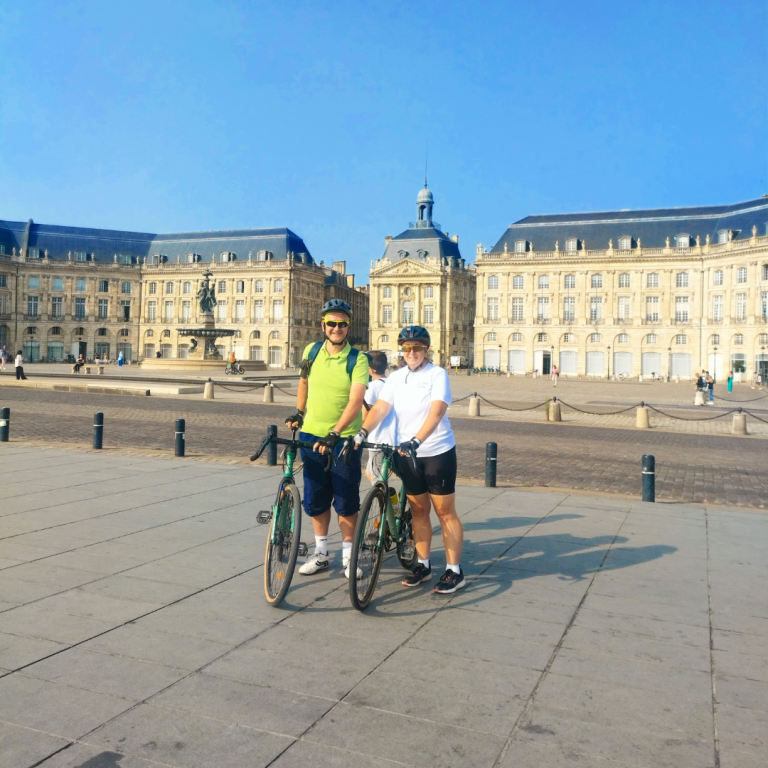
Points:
(414, 333)
(337, 305)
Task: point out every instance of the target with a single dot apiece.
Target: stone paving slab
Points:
(594, 631)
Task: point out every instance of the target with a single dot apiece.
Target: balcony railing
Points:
(622, 321)
(651, 320)
(681, 320)
(715, 321)
(596, 320)
(542, 320)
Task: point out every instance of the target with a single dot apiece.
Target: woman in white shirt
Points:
(420, 393)
(19, 362)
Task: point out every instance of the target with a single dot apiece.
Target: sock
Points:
(346, 549)
(454, 568)
(425, 563)
(321, 544)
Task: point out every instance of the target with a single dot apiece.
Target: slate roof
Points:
(428, 240)
(652, 226)
(105, 243)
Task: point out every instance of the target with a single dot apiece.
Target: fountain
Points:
(201, 355)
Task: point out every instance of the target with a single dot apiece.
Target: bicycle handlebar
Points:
(293, 443)
(385, 448)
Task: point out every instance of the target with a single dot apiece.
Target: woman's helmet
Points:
(337, 305)
(414, 333)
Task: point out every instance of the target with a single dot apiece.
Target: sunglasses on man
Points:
(413, 347)
(337, 324)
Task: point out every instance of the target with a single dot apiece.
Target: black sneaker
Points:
(417, 575)
(449, 582)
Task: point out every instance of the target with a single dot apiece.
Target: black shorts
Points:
(435, 475)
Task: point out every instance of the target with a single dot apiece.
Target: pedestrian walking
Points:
(730, 381)
(711, 388)
(120, 360)
(555, 374)
(3, 358)
(20, 366)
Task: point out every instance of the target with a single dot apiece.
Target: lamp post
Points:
(499, 371)
(609, 362)
(669, 363)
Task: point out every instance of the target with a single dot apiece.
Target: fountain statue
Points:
(206, 297)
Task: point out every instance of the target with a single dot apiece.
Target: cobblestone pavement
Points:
(716, 469)
(597, 632)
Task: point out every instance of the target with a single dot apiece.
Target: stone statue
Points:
(754, 230)
(505, 246)
(192, 345)
(707, 240)
(206, 294)
(730, 235)
(667, 242)
(698, 240)
(639, 243)
(610, 245)
(557, 245)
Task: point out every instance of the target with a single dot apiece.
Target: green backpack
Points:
(315, 351)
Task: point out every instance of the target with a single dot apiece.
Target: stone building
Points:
(422, 279)
(64, 290)
(664, 292)
(340, 285)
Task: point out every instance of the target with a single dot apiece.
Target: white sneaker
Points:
(317, 562)
(345, 563)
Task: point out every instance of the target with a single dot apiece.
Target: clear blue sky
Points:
(167, 116)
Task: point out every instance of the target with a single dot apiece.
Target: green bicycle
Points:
(283, 544)
(384, 521)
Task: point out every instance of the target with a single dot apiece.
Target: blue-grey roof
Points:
(103, 244)
(420, 243)
(651, 226)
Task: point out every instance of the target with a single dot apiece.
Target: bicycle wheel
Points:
(409, 558)
(282, 545)
(367, 548)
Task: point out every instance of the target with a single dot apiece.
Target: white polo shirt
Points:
(386, 431)
(411, 394)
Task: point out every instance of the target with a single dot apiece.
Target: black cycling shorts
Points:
(435, 475)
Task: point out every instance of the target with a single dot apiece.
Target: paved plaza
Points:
(593, 632)
(596, 454)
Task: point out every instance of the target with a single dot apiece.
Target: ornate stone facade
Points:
(686, 292)
(422, 279)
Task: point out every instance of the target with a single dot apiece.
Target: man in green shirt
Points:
(329, 409)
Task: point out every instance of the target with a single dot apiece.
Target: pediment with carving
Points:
(407, 267)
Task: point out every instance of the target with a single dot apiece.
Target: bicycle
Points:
(234, 368)
(379, 527)
(283, 544)
(623, 376)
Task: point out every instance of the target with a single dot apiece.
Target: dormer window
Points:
(520, 246)
(571, 244)
(722, 236)
(81, 256)
(625, 243)
(683, 241)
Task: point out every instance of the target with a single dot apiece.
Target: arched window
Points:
(493, 282)
(681, 338)
(763, 338)
(715, 338)
(407, 313)
(623, 338)
(568, 338)
(55, 331)
(738, 338)
(596, 281)
(651, 338)
(517, 283)
(625, 243)
(683, 241)
(79, 331)
(102, 332)
(240, 286)
(190, 258)
(166, 333)
(125, 332)
(261, 256)
(492, 336)
(571, 244)
(517, 336)
(274, 335)
(30, 331)
(407, 291)
(150, 333)
(543, 282)
(520, 246)
(384, 339)
(169, 287)
(256, 334)
(541, 337)
(455, 341)
(594, 338)
(722, 236)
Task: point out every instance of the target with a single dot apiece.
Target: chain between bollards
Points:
(649, 477)
(181, 427)
(98, 430)
(490, 465)
(272, 448)
(5, 424)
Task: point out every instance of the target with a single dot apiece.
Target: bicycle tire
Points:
(407, 524)
(280, 557)
(367, 553)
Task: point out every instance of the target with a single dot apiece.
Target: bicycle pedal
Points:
(264, 516)
(303, 549)
(408, 551)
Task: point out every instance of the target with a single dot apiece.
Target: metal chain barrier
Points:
(453, 402)
(594, 413)
(290, 394)
(755, 416)
(237, 389)
(754, 399)
(503, 408)
(679, 418)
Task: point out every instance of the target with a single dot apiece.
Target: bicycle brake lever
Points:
(412, 457)
(345, 449)
(330, 461)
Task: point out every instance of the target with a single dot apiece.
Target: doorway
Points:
(546, 364)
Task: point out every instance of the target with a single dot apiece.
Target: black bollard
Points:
(5, 424)
(98, 430)
(490, 465)
(272, 448)
(649, 477)
(180, 428)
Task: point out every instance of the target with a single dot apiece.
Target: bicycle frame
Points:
(393, 522)
(290, 457)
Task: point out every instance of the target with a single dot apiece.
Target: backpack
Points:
(315, 351)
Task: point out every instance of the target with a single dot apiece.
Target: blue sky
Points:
(169, 116)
